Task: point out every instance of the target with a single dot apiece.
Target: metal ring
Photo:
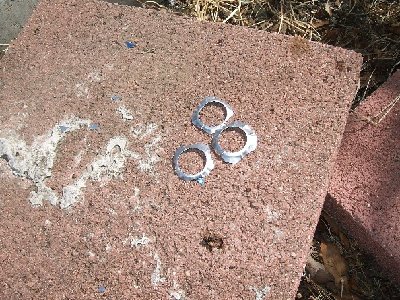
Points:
(196, 115)
(235, 157)
(209, 165)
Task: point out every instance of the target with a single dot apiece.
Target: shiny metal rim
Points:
(211, 129)
(209, 165)
(235, 157)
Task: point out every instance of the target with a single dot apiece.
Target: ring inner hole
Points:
(232, 139)
(213, 114)
(192, 161)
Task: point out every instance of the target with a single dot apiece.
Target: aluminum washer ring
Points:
(207, 167)
(235, 157)
(211, 129)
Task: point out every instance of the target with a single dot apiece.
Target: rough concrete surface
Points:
(365, 190)
(89, 201)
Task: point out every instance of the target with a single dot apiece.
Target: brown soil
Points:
(338, 269)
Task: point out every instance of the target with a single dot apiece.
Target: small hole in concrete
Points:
(212, 241)
(232, 140)
(115, 150)
(5, 157)
(192, 161)
(340, 65)
(213, 114)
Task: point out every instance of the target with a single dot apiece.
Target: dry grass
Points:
(258, 14)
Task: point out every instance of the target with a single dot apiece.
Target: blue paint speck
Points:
(201, 181)
(116, 98)
(94, 126)
(130, 44)
(63, 128)
(102, 289)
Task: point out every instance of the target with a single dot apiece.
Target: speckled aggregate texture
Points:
(121, 224)
(365, 187)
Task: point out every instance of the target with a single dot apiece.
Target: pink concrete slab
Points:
(365, 190)
(89, 202)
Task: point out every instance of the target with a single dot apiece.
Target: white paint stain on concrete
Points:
(112, 212)
(151, 158)
(82, 90)
(82, 87)
(136, 192)
(125, 113)
(136, 242)
(272, 215)
(136, 197)
(177, 295)
(156, 276)
(35, 162)
(94, 76)
(108, 165)
(143, 131)
(278, 233)
(261, 293)
(109, 248)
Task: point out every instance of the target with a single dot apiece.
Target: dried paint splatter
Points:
(35, 162)
(261, 293)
